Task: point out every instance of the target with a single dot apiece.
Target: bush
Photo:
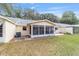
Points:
(67, 33)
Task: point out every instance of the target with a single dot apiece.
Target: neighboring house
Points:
(75, 29)
(16, 27)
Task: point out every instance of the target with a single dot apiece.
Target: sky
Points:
(56, 8)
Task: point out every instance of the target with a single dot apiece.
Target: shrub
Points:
(67, 33)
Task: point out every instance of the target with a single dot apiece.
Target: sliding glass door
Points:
(41, 30)
(49, 29)
(38, 30)
(35, 30)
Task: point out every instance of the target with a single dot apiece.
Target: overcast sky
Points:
(55, 8)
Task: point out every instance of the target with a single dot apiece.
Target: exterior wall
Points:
(69, 30)
(9, 31)
(27, 32)
(43, 35)
(2, 39)
(43, 23)
(20, 29)
(63, 30)
(33, 36)
(76, 30)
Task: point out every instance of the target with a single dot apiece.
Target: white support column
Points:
(38, 29)
(54, 30)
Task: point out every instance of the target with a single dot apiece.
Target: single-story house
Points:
(16, 27)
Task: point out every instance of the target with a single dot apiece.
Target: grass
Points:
(66, 45)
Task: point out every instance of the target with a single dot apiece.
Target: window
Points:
(35, 30)
(49, 29)
(1, 30)
(38, 30)
(41, 29)
(24, 28)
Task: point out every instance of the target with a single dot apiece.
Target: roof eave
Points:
(5, 18)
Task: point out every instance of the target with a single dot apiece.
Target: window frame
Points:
(49, 30)
(35, 30)
(41, 30)
(1, 30)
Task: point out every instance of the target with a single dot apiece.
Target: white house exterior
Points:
(16, 27)
(63, 28)
(44, 25)
(7, 30)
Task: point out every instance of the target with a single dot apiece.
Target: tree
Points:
(31, 14)
(7, 8)
(26, 13)
(69, 18)
(50, 17)
(18, 13)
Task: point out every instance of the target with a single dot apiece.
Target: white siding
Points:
(33, 36)
(43, 23)
(23, 32)
(2, 39)
(69, 30)
(64, 30)
(9, 31)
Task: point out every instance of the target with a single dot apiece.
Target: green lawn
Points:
(66, 45)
